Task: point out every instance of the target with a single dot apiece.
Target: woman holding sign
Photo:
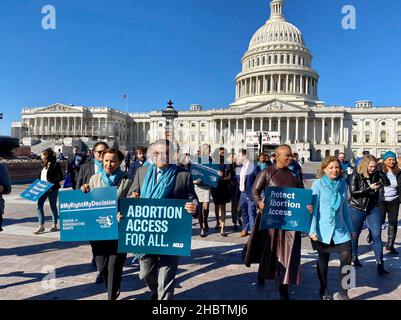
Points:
(109, 262)
(331, 223)
(277, 251)
(162, 180)
(51, 172)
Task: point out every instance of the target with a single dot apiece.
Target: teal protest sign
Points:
(286, 209)
(207, 173)
(88, 216)
(155, 226)
(36, 190)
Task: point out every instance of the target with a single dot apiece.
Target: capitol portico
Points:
(276, 91)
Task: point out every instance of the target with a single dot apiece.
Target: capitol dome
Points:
(276, 63)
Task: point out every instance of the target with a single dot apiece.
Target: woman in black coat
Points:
(51, 172)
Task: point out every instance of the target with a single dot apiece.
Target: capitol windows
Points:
(367, 138)
(399, 123)
(383, 123)
(399, 137)
(282, 59)
(367, 123)
(203, 125)
(383, 137)
(293, 59)
(270, 60)
(264, 60)
(160, 124)
(288, 59)
(193, 125)
(355, 138)
(257, 62)
(275, 59)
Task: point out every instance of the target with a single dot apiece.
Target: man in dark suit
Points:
(159, 271)
(85, 173)
(247, 176)
(139, 161)
(74, 164)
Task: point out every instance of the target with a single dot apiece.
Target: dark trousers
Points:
(1, 221)
(391, 209)
(373, 219)
(235, 211)
(323, 266)
(110, 265)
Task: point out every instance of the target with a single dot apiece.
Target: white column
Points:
(323, 131)
(342, 131)
(271, 83)
(82, 126)
(287, 84)
(288, 131)
(229, 131)
(279, 83)
(296, 129)
(301, 84)
(270, 124)
(221, 131)
(265, 85)
(306, 130)
(332, 131)
(75, 126)
(236, 130)
(144, 131)
(279, 127)
(294, 85)
(244, 129)
(261, 124)
(314, 131)
(137, 132)
(307, 86)
(253, 124)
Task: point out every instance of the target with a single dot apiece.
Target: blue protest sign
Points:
(88, 216)
(207, 173)
(155, 226)
(36, 190)
(286, 209)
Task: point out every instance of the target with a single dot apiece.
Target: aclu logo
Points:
(178, 245)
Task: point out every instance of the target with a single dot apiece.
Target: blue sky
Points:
(185, 50)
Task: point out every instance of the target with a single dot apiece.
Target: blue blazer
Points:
(326, 226)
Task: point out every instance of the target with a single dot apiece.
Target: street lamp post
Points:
(170, 114)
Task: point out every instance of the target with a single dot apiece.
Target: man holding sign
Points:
(278, 251)
(162, 180)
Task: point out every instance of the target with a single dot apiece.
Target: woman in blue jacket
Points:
(331, 226)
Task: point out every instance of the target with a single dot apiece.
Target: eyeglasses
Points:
(99, 152)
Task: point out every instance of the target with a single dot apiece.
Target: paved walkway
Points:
(214, 272)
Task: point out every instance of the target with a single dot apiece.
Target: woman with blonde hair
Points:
(365, 186)
(390, 198)
(331, 226)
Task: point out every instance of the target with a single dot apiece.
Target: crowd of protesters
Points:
(344, 199)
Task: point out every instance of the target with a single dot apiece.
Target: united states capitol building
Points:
(275, 92)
